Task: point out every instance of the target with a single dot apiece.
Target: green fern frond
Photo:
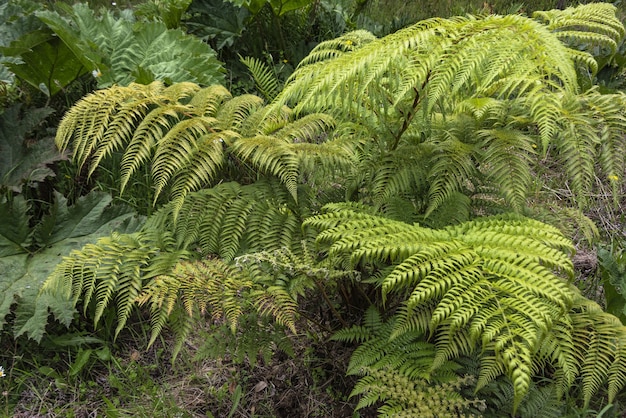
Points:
(175, 139)
(229, 218)
(233, 113)
(459, 54)
(200, 286)
(598, 345)
(335, 47)
(494, 277)
(403, 396)
(478, 94)
(115, 269)
(450, 173)
(177, 148)
(399, 172)
(507, 162)
(208, 100)
(591, 24)
(276, 302)
(89, 117)
(265, 80)
(273, 156)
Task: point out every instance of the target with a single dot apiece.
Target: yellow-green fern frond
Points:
(174, 140)
(273, 156)
(598, 349)
(230, 218)
(113, 271)
(89, 118)
(338, 46)
(277, 303)
(444, 57)
(492, 284)
(506, 162)
(290, 277)
(200, 287)
(234, 113)
(590, 25)
(265, 79)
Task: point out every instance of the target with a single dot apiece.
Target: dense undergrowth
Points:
(312, 208)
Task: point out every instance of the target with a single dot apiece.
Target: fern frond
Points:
(265, 80)
(276, 302)
(335, 47)
(113, 269)
(273, 156)
(599, 350)
(140, 147)
(507, 162)
(181, 134)
(457, 44)
(233, 113)
(229, 217)
(590, 24)
(89, 118)
(177, 148)
(492, 281)
(208, 100)
(450, 172)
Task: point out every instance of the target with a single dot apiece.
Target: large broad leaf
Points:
(22, 160)
(15, 234)
(63, 230)
(279, 7)
(121, 51)
(47, 63)
(16, 20)
(217, 20)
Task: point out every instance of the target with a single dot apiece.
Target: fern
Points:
(198, 287)
(257, 339)
(493, 286)
(397, 371)
(265, 79)
(115, 269)
(28, 255)
(157, 266)
(468, 104)
(186, 138)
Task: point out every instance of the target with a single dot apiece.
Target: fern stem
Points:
(411, 114)
(315, 321)
(329, 303)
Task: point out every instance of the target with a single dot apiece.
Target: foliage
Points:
(279, 7)
(170, 12)
(441, 116)
(31, 52)
(491, 286)
(256, 338)
(28, 255)
(265, 79)
(425, 125)
(279, 33)
(186, 138)
(612, 270)
(150, 265)
(122, 50)
(24, 160)
(217, 21)
(397, 372)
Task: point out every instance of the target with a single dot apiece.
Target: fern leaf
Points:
(265, 79)
(488, 284)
